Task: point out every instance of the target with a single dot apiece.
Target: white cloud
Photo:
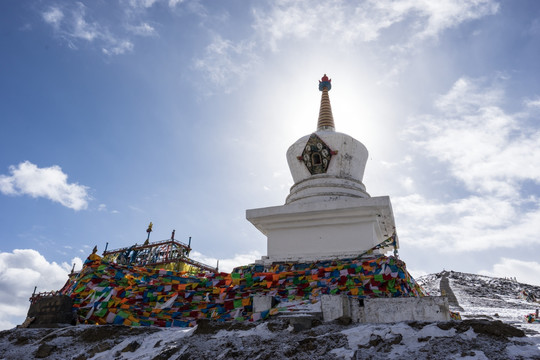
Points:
(446, 14)
(118, 48)
(71, 24)
(53, 16)
(365, 21)
(173, 3)
(20, 271)
(82, 29)
(143, 29)
(104, 208)
(407, 183)
(491, 154)
(486, 148)
(142, 3)
(331, 24)
(524, 271)
(225, 61)
(534, 103)
(50, 183)
(470, 224)
(227, 265)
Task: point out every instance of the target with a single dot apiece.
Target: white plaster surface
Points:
(329, 229)
(333, 307)
(262, 303)
(390, 310)
(385, 310)
(343, 176)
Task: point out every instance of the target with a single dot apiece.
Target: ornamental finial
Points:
(326, 119)
(325, 82)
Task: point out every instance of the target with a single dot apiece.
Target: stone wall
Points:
(51, 311)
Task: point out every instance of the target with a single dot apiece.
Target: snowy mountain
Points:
(493, 327)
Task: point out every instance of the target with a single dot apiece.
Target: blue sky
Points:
(118, 113)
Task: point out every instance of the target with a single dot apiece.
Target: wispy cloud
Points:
(104, 208)
(80, 28)
(525, 271)
(173, 3)
(53, 16)
(533, 103)
(50, 183)
(72, 24)
(340, 24)
(118, 47)
(143, 29)
(114, 32)
(142, 3)
(365, 21)
(20, 271)
(487, 149)
(225, 61)
(488, 155)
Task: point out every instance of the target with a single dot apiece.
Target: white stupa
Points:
(328, 213)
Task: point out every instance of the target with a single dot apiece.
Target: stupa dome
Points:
(326, 165)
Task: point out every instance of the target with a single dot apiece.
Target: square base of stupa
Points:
(333, 229)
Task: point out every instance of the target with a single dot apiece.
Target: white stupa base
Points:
(338, 228)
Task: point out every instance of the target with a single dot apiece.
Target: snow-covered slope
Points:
(484, 296)
(493, 311)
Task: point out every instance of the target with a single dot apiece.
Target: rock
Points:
(344, 320)
(445, 325)
(375, 340)
(494, 328)
(131, 347)
(44, 351)
(307, 344)
(396, 339)
(167, 353)
(300, 323)
(417, 324)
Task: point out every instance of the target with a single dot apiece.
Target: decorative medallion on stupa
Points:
(328, 213)
(316, 155)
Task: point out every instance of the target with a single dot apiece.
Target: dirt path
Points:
(446, 289)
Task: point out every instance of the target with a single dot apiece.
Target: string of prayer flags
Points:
(109, 293)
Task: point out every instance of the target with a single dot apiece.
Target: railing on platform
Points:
(156, 253)
(142, 246)
(45, 294)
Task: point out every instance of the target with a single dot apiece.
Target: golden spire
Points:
(326, 119)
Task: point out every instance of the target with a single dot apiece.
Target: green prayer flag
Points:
(123, 314)
(101, 312)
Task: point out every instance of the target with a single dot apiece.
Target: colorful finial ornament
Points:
(149, 230)
(93, 256)
(326, 119)
(325, 82)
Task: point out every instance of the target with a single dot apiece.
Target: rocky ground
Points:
(493, 329)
